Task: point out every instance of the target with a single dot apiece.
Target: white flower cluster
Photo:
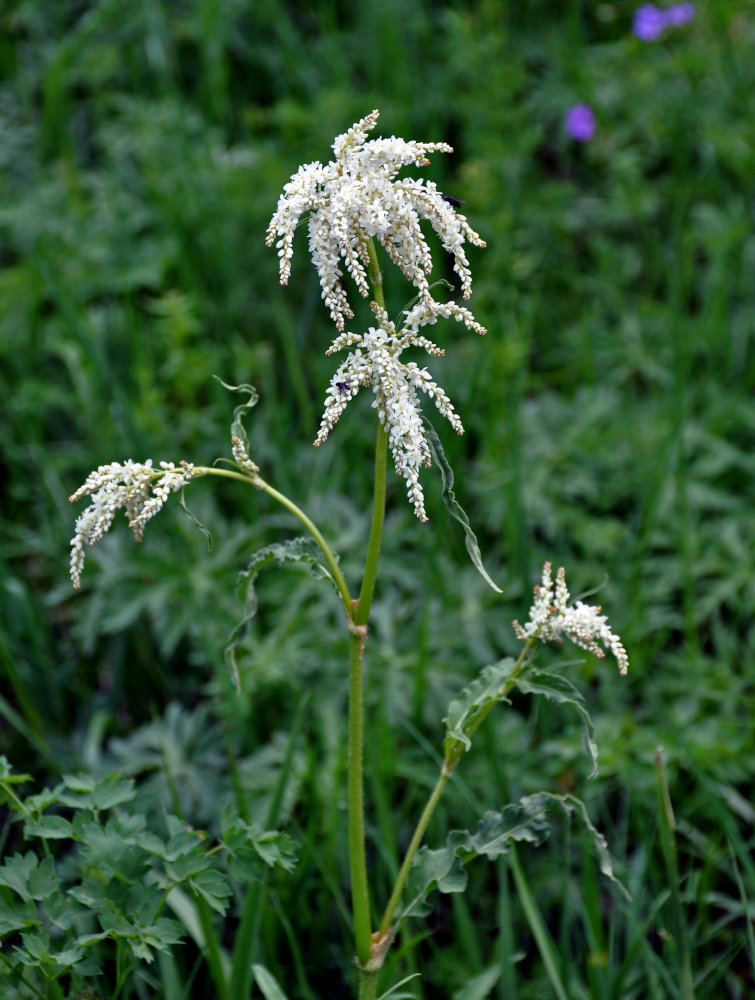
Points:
(138, 488)
(551, 615)
(375, 363)
(241, 456)
(355, 198)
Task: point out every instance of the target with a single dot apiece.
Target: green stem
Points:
(376, 529)
(311, 527)
(452, 757)
(419, 832)
(368, 980)
(376, 275)
(360, 894)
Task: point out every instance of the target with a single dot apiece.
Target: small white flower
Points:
(138, 488)
(355, 198)
(551, 615)
(241, 457)
(375, 362)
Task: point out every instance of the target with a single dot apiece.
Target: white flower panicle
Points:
(138, 488)
(375, 363)
(551, 615)
(355, 198)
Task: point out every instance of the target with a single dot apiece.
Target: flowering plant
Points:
(354, 202)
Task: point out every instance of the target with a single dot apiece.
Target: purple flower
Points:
(649, 22)
(680, 13)
(579, 122)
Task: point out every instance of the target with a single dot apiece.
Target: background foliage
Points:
(610, 428)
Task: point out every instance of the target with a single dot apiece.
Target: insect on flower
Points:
(343, 387)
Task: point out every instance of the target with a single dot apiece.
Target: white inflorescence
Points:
(551, 616)
(138, 488)
(355, 198)
(374, 363)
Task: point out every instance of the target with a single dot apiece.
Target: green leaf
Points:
(16, 873)
(452, 504)
(267, 984)
(214, 888)
(194, 519)
(248, 845)
(572, 806)
(43, 882)
(440, 869)
(45, 798)
(296, 550)
(525, 820)
(557, 688)
(49, 828)
(83, 792)
(18, 915)
(237, 428)
(484, 690)
(479, 986)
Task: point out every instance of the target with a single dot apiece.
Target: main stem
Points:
(360, 896)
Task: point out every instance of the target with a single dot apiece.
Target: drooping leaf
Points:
(525, 820)
(296, 550)
(452, 504)
(194, 519)
(557, 688)
(572, 806)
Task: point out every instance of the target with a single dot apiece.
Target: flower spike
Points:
(375, 363)
(355, 198)
(551, 615)
(137, 487)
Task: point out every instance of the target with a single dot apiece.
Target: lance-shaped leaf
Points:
(558, 689)
(452, 504)
(296, 550)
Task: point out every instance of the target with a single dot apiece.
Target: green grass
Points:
(610, 428)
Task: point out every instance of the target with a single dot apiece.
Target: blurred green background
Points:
(610, 428)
